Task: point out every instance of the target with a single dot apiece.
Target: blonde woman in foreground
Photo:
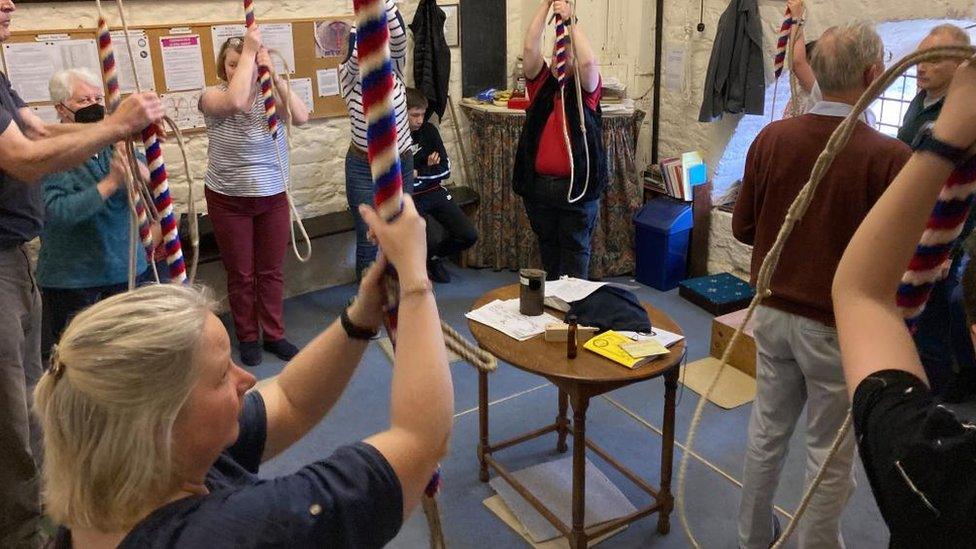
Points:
(153, 439)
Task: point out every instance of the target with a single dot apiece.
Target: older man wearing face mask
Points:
(86, 238)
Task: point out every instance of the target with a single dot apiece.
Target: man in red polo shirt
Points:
(560, 197)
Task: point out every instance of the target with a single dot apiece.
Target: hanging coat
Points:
(736, 79)
(431, 56)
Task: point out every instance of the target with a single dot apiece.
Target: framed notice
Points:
(452, 25)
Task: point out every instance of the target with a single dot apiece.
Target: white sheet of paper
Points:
(182, 62)
(302, 87)
(76, 54)
(451, 26)
(505, 317)
(123, 67)
(663, 337)
(328, 82)
(220, 34)
(32, 64)
(46, 113)
(182, 108)
(279, 38)
(30, 67)
(674, 68)
(571, 289)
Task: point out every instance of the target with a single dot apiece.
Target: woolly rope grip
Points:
(264, 78)
(782, 42)
(158, 179)
(943, 228)
(106, 55)
(376, 70)
(562, 38)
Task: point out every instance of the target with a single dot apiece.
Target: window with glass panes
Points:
(891, 107)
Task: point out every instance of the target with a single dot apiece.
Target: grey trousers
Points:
(798, 364)
(20, 369)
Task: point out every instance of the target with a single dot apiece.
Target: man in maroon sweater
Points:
(798, 359)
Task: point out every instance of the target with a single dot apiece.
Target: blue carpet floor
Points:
(626, 422)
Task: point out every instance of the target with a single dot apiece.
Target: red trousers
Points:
(252, 234)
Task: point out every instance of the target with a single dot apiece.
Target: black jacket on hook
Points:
(736, 79)
(431, 56)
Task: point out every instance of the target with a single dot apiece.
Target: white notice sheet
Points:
(182, 108)
(182, 62)
(278, 38)
(46, 113)
(505, 317)
(30, 66)
(302, 87)
(328, 81)
(221, 33)
(123, 66)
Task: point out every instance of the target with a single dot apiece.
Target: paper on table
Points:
(505, 317)
(663, 337)
(571, 289)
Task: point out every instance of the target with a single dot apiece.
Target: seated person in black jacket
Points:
(920, 457)
(431, 167)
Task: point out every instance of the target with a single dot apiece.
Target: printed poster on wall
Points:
(277, 37)
(328, 82)
(302, 87)
(30, 65)
(182, 62)
(123, 66)
(182, 108)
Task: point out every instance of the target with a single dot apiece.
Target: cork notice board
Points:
(318, 44)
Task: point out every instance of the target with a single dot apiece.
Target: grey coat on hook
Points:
(736, 80)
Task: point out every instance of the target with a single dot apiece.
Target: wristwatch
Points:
(353, 331)
(926, 142)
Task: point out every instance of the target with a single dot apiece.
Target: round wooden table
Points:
(578, 380)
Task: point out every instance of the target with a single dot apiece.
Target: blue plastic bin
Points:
(662, 231)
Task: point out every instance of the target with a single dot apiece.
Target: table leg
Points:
(562, 421)
(483, 424)
(667, 450)
(577, 539)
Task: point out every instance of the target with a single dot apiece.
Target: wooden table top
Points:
(548, 359)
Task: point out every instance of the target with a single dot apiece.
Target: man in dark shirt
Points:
(798, 361)
(919, 456)
(30, 149)
(431, 167)
(934, 334)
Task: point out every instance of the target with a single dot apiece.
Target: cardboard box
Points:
(743, 357)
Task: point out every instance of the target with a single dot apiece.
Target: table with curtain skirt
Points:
(505, 238)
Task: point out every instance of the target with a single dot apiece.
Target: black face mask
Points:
(87, 115)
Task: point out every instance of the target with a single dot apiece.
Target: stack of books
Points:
(676, 176)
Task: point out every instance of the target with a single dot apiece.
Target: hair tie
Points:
(56, 368)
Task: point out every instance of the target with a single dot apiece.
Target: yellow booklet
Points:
(610, 345)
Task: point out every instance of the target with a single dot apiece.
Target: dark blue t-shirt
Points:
(21, 204)
(352, 499)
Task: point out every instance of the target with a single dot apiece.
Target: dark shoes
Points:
(250, 352)
(437, 272)
(281, 348)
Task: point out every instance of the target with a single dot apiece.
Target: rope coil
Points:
(835, 144)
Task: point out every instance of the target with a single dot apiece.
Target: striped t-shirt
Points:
(352, 89)
(241, 156)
